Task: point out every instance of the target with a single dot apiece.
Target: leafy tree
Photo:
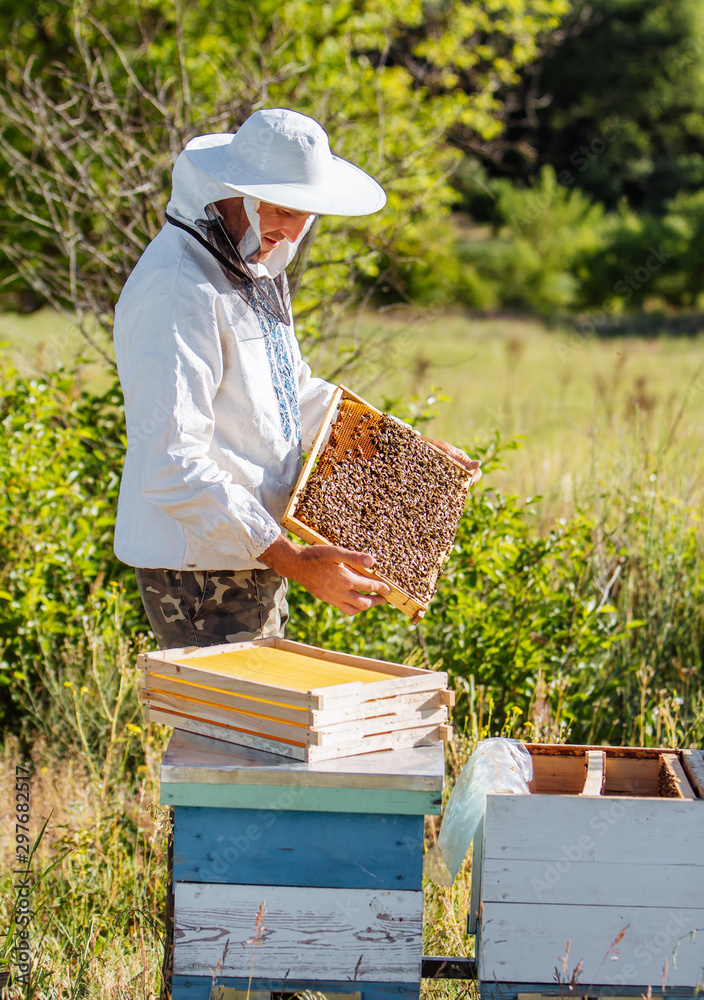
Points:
(89, 141)
(616, 105)
(542, 234)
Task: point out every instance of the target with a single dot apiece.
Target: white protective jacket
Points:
(218, 401)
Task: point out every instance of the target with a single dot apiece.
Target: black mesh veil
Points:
(272, 295)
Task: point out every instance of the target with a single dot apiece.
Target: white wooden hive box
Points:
(597, 877)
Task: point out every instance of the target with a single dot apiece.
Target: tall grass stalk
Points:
(650, 549)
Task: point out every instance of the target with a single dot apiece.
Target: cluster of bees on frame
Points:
(667, 786)
(379, 488)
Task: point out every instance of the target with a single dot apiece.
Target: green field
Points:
(589, 411)
(42, 341)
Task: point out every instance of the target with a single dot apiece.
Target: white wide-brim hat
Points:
(284, 158)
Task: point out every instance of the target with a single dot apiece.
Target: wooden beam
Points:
(575, 750)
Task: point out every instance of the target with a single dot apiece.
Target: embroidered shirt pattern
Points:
(283, 375)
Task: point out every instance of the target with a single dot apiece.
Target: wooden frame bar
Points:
(596, 772)
(188, 689)
(694, 769)
(673, 778)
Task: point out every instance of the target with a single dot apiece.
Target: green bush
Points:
(61, 454)
(541, 235)
(630, 267)
(647, 259)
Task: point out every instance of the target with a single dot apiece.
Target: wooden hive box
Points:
(323, 860)
(377, 487)
(296, 700)
(593, 885)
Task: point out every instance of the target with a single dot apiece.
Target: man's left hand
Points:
(470, 464)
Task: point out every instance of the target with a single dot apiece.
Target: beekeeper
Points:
(219, 403)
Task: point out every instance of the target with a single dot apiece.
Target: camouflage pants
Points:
(204, 608)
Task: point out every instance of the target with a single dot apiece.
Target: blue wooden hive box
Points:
(292, 875)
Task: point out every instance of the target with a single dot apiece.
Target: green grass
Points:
(42, 341)
(587, 408)
(97, 931)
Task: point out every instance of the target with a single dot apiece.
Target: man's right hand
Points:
(328, 573)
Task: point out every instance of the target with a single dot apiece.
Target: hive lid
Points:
(200, 759)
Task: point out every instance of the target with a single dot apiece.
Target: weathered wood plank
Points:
(274, 847)
(358, 800)
(596, 773)
(693, 765)
(525, 941)
(317, 934)
(617, 830)
(221, 992)
(673, 777)
(199, 988)
(594, 883)
(198, 759)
